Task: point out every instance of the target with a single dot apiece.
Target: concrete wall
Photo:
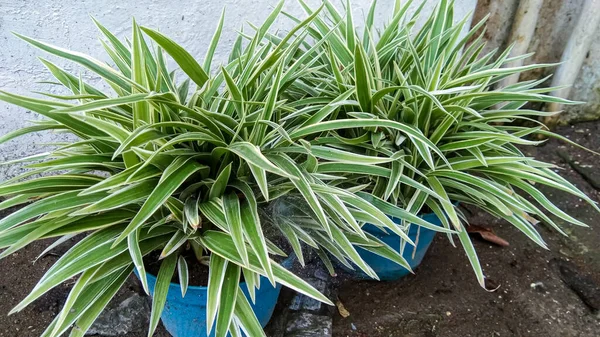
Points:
(556, 21)
(67, 23)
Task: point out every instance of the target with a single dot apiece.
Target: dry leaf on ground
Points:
(488, 235)
(341, 309)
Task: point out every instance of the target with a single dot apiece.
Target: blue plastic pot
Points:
(186, 316)
(388, 270)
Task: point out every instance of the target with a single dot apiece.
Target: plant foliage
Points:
(424, 106)
(358, 128)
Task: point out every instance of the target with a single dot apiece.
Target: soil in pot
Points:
(198, 272)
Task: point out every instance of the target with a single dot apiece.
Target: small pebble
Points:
(537, 286)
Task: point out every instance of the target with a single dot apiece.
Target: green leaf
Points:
(163, 190)
(213, 211)
(89, 252)
(409, 130)
(186, 61)
(236, 94)
(363, 78)
(182, 274)
(50, 204)
(253, 232)
(104, 103)
(177, 240)
(94, 65)
(472, 255)
(260, 176)
(133, 241)
(216, 277)
(445, 201)
(234, 328)
(100, 301)
(304, 187)
(288, 232)
(342, 156)
(88, 305)
(17, 200)
(230, 285)
(377, 216)
(395, 175)
(78, 126)
(159, 297)
(231, 207)
(88, 161)
(345, 245)
(387, 252)
(220, 185)
(93, 222)
(399, 213)
(50, 184)
(340, 208)
(139, 137)
(120, 48)
(246, 316)
(252, 154)
(191, 212)
(221, 244)
(121, 178)
(350, 35)
(125, 196)
(213, 42)
(46, 225)
(257, 134)
(30, 129)
(252, 281)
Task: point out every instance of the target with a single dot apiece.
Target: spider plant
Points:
(174, 161)
(426, 103)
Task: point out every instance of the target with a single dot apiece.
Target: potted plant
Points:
(430, 99)
(180, 163)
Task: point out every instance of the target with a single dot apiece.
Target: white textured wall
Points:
(67, 23)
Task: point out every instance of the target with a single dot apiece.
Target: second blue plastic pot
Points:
(388, 270)
(186, 316)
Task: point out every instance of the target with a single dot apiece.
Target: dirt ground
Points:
(19, 275)
(443, 297)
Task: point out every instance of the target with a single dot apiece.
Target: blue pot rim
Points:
(286, 263)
